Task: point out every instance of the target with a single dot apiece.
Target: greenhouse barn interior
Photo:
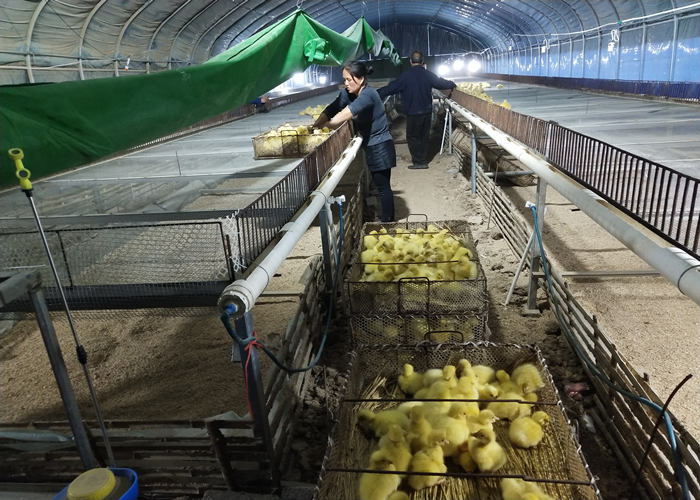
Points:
(349, 250)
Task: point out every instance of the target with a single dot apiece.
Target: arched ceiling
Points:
(54, 40)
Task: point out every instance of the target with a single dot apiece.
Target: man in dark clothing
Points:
(415, 86)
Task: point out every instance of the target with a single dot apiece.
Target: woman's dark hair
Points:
(358, 69)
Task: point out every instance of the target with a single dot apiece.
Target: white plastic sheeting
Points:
(649, 48)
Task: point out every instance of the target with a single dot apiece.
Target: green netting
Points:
(64, 125)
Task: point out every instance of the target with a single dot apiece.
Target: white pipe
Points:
(243, 293)
(677, 266)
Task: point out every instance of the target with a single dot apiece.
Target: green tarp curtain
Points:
(63, 125)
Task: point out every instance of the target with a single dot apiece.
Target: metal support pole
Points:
(444, 132)
(58, 366)
(473, 180)
(256, 391)
(326, 245)
(535, 258)
(520, 268)
(449, 130)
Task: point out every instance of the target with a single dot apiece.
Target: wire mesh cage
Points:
(416, 295)
(411, 329)
(555, 464)
(296, 142)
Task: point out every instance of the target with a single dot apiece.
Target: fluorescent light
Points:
(443, 69)
(458, 64)
(474, 66)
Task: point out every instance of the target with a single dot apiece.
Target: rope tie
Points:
(248, 347)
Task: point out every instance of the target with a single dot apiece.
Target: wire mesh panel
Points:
(555, 464)
(109, 267)
(24, 251)
(411, 329)
(417, 295)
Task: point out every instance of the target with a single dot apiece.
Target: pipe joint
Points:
(238, 295)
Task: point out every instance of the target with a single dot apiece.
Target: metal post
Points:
(520, 268)
(325, 245)
(473, 180)
(256, 391)
(672, 69)
(535, 262)
(58, 366)
(449, 130)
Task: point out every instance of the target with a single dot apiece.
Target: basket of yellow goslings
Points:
(289, 141)
(501, 421)
(422, 268)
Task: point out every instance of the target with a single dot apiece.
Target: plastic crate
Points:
(556, 463)
(420, 295)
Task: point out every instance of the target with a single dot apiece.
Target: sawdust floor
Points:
(167, 366)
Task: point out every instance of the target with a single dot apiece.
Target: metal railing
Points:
(662, 199)
(684, 91)
(261, 221)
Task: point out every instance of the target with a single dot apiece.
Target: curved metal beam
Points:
(205, 32)
(117, 46)
(184, 26)
(83, 30)
(281, 4)
(30, 32)
(157, 30)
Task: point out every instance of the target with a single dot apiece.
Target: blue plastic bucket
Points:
(130, 494)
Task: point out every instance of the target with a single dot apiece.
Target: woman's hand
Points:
(321, 121)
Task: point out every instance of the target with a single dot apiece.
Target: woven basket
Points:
(555, 463)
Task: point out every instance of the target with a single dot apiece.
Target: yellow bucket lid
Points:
(94, 484)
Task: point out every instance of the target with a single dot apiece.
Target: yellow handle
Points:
(21, 173)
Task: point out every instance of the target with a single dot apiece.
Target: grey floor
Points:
(663, 131)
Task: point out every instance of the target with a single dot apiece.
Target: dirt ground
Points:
(148, 366)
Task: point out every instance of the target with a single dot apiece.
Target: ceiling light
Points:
(298, 78)
(474, 66)
(443, 69)
(322, 79)
(458, 64)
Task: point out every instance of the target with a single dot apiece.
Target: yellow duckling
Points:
(419, 428)
(518, 489)
(410, 381)
(509, 410)
(485, 451)
(432, 375)
(455, 426)
(378, 486)
(398, 495)
(427, 460)
(527, 432)
(465, 460)
(484, 420)
(484, 374)
(394, 448)
(380, 422)
(465, 369)
(527, 377)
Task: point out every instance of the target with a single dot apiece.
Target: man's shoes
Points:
(418, 166)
